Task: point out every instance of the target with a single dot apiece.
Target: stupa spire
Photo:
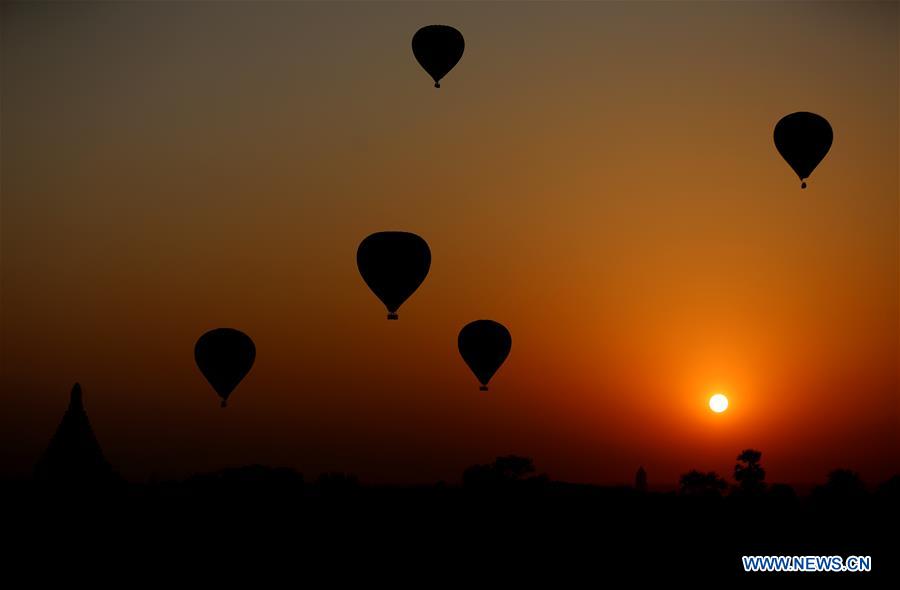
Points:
(74, 456)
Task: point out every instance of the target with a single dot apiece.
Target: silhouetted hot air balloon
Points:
(224, 356)
(484, 345)
(803, 139)
(437, 49)
(393, 264)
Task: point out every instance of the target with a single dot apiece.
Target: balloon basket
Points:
(393, 316)
(483, 388)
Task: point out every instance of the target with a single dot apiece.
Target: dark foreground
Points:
(558, 533)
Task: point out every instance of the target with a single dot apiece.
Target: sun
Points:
(718, 403)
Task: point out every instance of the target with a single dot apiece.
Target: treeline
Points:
(750, 481)
(510, 474)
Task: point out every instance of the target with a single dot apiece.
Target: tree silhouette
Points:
(338, 484)
(841, 484)
(748, 472)
(697, 483)
(890, 488)
(504, 471)
(479, 476)
(512, 467)
(782, 491)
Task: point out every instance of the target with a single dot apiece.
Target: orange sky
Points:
(598, 177)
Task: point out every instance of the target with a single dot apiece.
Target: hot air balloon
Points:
(393, 264)
(437, 49)
(803, 139)
(484, 345)
(224, 356)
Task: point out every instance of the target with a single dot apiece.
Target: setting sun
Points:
(718, 403)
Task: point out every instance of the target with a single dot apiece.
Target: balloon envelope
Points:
(393, 264)
(484, 345)
(803, 139)
(224, 356)
(437, 49)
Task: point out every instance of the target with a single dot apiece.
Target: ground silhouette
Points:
(506, 523)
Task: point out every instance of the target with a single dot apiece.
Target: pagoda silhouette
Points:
(74, 457)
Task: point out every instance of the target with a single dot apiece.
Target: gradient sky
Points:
(599, 177)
